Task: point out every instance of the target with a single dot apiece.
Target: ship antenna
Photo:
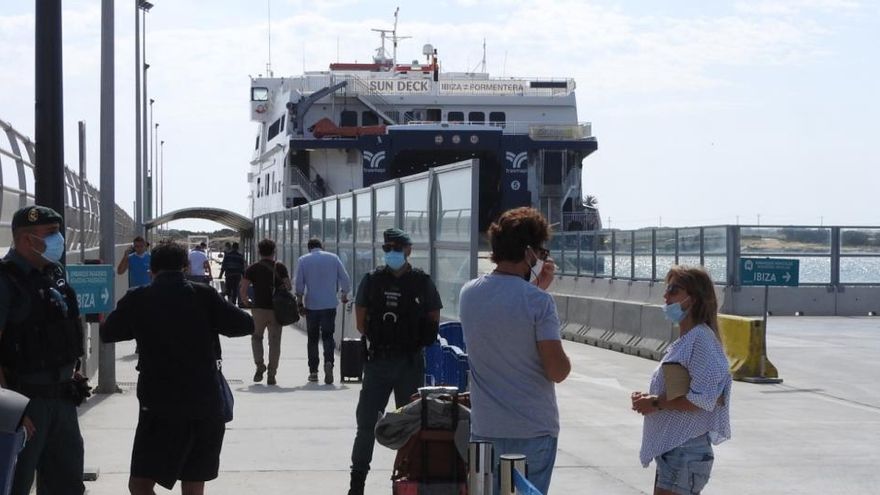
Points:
(269, 35)
(483, 68)
(380, 52)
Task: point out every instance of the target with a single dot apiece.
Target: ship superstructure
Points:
(357, 124)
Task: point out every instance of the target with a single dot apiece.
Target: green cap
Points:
(396, 236)
(35, 215)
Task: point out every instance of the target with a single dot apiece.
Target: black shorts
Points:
(167, 449)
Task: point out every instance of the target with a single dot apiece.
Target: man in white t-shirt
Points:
(199, 266)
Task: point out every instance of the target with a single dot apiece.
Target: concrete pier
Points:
(816, 433)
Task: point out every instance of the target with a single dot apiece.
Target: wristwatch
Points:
(656, 404)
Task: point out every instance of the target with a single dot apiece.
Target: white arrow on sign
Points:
(786, 277)
(105, 295)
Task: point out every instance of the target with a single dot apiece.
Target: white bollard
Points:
(480, 468)
(509, 462)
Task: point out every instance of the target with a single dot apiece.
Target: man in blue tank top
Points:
(136, 262)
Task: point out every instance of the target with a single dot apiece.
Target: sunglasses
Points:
(541, 253)
(672, 289)
(394, 247)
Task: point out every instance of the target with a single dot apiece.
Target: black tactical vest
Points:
(51, 335)
(396, 309)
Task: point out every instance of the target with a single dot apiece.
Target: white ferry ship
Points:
(357, 124)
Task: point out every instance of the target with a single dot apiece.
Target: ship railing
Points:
(538, 131)
(297, 178)
(357, 87)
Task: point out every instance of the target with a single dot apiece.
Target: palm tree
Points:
(593, 219)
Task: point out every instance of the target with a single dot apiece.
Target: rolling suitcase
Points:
(351, 355)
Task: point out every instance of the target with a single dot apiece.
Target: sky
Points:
(706, 113)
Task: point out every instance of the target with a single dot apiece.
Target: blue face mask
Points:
(674, 312)
(54, 247)
(395, 259)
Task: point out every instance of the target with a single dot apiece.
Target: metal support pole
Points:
(82, 191)
(49, 107)
(138, 186)
(508, 463)
(107, 354)
(481, 460)
(145, 159)
(148, 187)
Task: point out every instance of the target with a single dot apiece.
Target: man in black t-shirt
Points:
(176, 324)
(265, 275)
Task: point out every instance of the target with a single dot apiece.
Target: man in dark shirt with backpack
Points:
(266, 276)
(398, 309)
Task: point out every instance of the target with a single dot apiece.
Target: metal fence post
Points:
(481, 467)
(509, 462)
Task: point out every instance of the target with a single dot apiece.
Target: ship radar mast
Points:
(381, 56)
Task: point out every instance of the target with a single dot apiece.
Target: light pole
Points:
(162, 177)
(148, 187)
(154, 189)
(141, 8)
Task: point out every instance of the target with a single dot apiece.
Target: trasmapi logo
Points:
(516, 160)
(374, 160)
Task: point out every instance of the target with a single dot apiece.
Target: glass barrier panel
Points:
(415, 210)
(687, 260)
(346, 220)
(364, 232)
(859, 241)
(779, 240)
(622, 254)
(717, 267)
(689, 243)
(386, 212)
(346, 256)
(418, 258)
(363, 264)
(860, 270)
(643, 257)
(715, 240)
(330, 220)
(316, 222)
(569, 243)
(453, 270)
(664, 263)
(602, 261)
(665, 243)
(454, 212)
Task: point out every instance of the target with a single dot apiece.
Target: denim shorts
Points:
(685, 469)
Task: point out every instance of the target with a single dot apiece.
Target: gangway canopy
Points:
(225, 217)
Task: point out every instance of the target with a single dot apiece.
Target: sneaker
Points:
(271, 380)
(313, 376)
(328, 374)
(258, 376)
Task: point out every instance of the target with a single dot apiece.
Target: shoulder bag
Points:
(283, 303)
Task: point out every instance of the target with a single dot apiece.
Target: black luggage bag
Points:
(351, 354)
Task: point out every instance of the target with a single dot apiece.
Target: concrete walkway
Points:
(817, 433)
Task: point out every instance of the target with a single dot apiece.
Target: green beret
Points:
(396, 236)
(35, 215)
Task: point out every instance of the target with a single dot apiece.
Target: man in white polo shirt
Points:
(199, 266)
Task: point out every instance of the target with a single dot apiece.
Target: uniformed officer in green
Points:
(41, 341)
(398, 309)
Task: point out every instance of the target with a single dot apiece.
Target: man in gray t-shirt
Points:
(512, 334)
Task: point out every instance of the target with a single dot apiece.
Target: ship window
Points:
(348, 118)
(369, 118)
(455, 117)
(267, 185)
(434, 115)
(394, 115)
(259, 94)
(259, 189)
(257, 144)
(283, 119)
(274, 129)
(497, 117)
(476, 117)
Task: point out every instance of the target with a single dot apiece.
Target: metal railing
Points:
(17, 185)
(835, 255)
